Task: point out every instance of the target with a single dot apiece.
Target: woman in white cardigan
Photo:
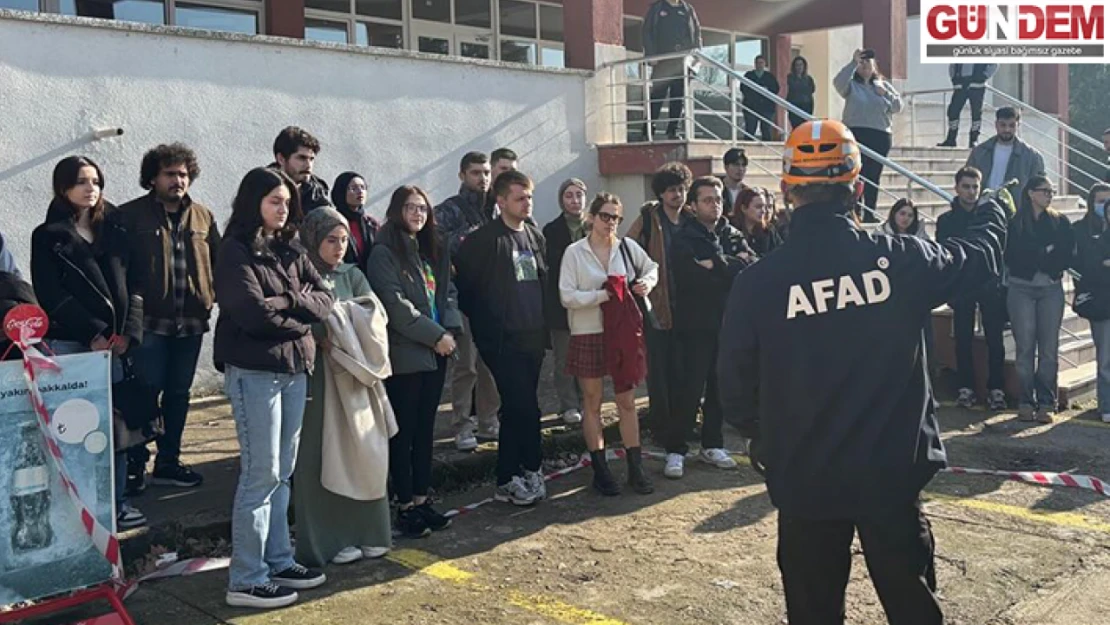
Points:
(586, 268)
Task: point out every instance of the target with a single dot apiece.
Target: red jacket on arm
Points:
(624, 336)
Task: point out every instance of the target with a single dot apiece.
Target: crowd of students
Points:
(335, 330)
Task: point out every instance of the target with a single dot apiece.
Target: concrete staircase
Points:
(628, 170)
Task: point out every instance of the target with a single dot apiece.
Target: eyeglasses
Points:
(1048, 192)
(610, 218)
(421, 209)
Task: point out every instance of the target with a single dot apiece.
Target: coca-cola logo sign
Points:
(26, 324)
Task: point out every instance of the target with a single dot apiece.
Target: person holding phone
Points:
(869, 104)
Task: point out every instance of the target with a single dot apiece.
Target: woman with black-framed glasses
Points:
(1040, 247)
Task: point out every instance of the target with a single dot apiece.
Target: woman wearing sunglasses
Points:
(1040, 248)
(597, 270)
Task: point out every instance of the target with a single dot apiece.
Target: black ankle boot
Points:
(972, 139)
(637, 479)
(950, 140)
(603, 478)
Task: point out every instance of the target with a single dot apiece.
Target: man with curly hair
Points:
(173, 250)
(653, 229)
(295, 151)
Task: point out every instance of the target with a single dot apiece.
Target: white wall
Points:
(395, 117)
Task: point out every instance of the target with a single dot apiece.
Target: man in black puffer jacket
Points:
(707, 252)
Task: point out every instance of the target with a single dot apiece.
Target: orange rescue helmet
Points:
(822, 151)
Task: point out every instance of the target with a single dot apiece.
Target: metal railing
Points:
(704, 77)
(1055, 139)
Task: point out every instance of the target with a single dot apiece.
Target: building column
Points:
(285, 18)
(590, 27)
(884, 31)
(779, 64)
(593, 35)
(1049, 89)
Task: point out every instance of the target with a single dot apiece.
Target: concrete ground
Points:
(699, 550)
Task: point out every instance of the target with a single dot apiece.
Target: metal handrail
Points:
(774, 97)
(1060, 126)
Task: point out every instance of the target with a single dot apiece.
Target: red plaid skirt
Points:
(586, 356)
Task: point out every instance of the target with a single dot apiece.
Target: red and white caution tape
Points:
(104, 540)
(1041, 478)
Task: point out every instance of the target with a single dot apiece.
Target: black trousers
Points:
(697, 369)
(751, 122)
(815, 558)
(796, 121)
(517, 375)
(878, 140)
(992, 309)
(664, 368)
(415, 400)
(666, 80)
(956, 106)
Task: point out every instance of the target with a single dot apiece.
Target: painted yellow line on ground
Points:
(555, 609)
(1062, 519)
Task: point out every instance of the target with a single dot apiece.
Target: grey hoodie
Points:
(863, 106)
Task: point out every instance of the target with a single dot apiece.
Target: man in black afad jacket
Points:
(821, 366)
(706, 254)
(670, 26)
(969, 85)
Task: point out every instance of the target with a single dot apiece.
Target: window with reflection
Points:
(215, 18)
(552, 57)
(387, 9)
(323, 30)
(551, 23)
(433, 45)
(476, 13)
(143, 11)
(518, 18)
(338, 6)
(379, 35)
(634, 35)
(745, 50)
(473, 50)
(432, 10)
(518, 51)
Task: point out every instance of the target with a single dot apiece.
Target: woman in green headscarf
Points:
(330, 527)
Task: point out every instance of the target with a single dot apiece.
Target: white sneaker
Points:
(572, 417)
(536, 483)
(718, 458)
(466, 441)
(675, 466)
(1106, 418)
(491, 433)
(374, 553)
(515, 492)
(966, 398)
(347, 556)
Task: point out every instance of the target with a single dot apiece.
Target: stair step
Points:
(1078, 384)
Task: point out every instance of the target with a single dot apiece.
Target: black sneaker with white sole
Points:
(299, 577)
(266, 596)
(434, 520)
(128, 518)
(175, 474)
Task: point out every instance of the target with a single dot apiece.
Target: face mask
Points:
(1100, 209)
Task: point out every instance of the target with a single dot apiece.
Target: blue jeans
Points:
(1036, 313)
(1100, 334)
(268, 409)
(168, 364)
(119, 459)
